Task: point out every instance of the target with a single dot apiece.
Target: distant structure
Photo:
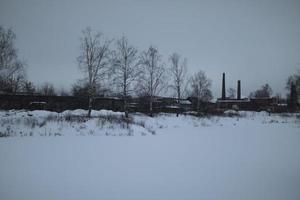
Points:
(223, 88)
(232, 103)
(239, 103)
(141, 104)
(293, 101)
(239, 90)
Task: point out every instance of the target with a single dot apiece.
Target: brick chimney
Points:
(223, 87)
(238, 89)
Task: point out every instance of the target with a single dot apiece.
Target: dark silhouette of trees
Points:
(293, 97)
(231, 93)
(12, 69)
(200, 88)
(80, 89)
(29, 87)
(264, 92)
(47, 89)
(294, 79)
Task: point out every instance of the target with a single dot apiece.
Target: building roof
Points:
(233, 100)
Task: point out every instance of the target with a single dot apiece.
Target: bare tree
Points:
(264, 92)
(12, 70)
(231, 93)
(294, 79)
(47, 89)
(200, 88)
(293, 98)
(93, 60)
(125, 68)
(80, 88)
(178, 70)
(63, 92)
(28, 87)
(152, 79)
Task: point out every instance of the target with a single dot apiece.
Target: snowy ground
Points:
(61, 156)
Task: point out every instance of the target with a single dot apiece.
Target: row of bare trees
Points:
(124, 68)
(134, 73)
(116, 65)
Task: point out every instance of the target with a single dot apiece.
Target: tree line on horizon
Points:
(115, 67)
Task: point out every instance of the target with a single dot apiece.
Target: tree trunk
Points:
(178, 107)
(178, 101)
(90, 106)
(125, 108)
(198, 105)
(151, 112)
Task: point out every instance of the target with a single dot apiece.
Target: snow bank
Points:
(106, 122)
(94, 113)
(69, 123)
(250, 156)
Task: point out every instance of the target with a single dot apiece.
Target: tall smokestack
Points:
(238, 89)
(223, 87)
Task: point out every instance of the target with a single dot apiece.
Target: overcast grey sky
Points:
(257, 41)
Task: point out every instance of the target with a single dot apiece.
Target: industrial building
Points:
(238, 103)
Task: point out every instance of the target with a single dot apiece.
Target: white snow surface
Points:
(247, 156)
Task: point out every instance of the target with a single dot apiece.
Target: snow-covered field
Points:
(65, 156)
